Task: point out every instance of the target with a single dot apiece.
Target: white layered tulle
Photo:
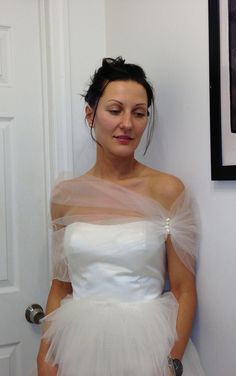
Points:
(112, 338)
(111, 247)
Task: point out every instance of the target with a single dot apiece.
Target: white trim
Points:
(228, 138)
(5, 56)
(57, 85)
(56, 94)
(4, 188)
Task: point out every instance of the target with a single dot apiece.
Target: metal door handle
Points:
(34, 313)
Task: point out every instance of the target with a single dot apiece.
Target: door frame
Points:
(56, 89)
(56, 95)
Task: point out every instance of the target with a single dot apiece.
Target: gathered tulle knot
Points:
(167, 226)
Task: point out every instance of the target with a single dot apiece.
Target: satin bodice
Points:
(116, 261)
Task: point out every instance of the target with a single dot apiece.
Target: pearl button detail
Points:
(167, 226)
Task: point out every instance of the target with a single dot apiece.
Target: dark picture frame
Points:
(219, 171)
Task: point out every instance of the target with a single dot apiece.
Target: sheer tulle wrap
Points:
(95, 200)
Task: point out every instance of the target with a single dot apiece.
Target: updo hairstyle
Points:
(117, 70)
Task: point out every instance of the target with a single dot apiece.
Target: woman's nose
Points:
(126, 121)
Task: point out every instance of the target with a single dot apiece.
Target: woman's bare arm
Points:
(182, 285)
(57, 292)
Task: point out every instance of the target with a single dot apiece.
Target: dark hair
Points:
(117, 70)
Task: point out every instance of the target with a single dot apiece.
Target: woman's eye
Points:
(139, 114)
(114, 112)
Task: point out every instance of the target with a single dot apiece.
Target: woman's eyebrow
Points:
(117, 101)
(114, 100)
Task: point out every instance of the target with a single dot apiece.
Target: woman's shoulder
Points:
(64, 187)
(62, 196)
(164, 188)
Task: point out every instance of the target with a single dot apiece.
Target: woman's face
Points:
(121, 117)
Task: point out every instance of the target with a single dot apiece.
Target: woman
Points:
(118, 230)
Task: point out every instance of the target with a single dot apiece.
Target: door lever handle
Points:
(34, 313)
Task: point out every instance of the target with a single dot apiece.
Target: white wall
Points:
(87, 48)
(170, 40)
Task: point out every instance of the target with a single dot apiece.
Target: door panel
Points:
(23, 197)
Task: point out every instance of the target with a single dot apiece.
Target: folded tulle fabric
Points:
(109, 338)
(93, 200)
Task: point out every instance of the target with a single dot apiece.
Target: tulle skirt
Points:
(112, 338)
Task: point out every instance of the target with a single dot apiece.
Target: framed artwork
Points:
(222, 59)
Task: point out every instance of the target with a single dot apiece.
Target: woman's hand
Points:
(57, 292)
(44, 369)
(47, 371)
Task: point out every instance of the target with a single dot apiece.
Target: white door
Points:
(24, 276)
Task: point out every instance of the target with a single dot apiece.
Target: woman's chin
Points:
(123, 152)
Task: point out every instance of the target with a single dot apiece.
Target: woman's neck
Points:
(116, 168)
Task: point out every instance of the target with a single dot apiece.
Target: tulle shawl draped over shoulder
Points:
(93, 200)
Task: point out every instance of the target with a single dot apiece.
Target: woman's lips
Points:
(122, 139)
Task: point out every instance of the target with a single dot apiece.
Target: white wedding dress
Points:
(119, 321)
